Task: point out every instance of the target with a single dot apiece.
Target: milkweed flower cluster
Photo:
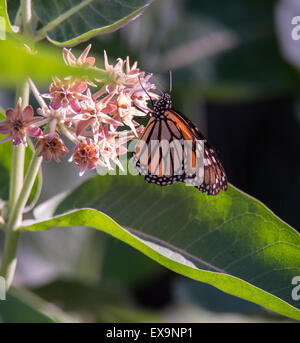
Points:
(99, 120)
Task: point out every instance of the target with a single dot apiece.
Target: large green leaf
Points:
(75, 21)
(230, 241)
(17, 64)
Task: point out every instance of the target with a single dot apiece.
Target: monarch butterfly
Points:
(168, 124)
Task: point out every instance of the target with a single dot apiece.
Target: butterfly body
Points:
(180, 163)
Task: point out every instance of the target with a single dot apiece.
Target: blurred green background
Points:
(235, 74)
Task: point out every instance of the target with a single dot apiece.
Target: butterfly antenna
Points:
(170, 80)
(152, 102)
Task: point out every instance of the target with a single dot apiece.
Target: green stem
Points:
(26, 17)
(9, 260)
(38, 192)
(19, 192)
(11, 241)
(31, 174)
(17, 174)
(18, 154)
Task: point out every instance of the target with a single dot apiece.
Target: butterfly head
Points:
(162, 105)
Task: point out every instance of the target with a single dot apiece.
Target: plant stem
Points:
(19, 192)
(26, 17)
(31, 174)
(9, 255)
(34, 201)
(17, 174)
(9, 260)
(18, 154)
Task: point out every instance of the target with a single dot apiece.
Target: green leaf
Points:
(4, 15)
(47, 62)
(21, 306)
(68, 23)
(230, 241)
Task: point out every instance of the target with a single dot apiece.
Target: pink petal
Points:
(11, 114)
(92, 165)
(28, 112)
(69, 58)
(55, 103)
(4, 128)
(109, 108)
(80, 88)
(86, 51)
(52, 126)
(75, 106)
(16, 141)
(90, 61)
(56, 157)
(34, 131)
(82, 125)
(47, 155)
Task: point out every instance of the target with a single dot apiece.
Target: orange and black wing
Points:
(178, 159)
(158, 153)
(214, 179)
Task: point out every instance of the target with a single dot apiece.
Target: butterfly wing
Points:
(158, 155)
(164, 166)
(215, 178)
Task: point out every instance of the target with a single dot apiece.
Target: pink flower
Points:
(111, 146)
(115, 73)
(141, 93)
(119, 78)
(18, 123)
(92, 116)
(51, 146)
(82, 60)
(86, 155)
(129, 80)
(66, 93)
(126, 112)
(91, 121)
